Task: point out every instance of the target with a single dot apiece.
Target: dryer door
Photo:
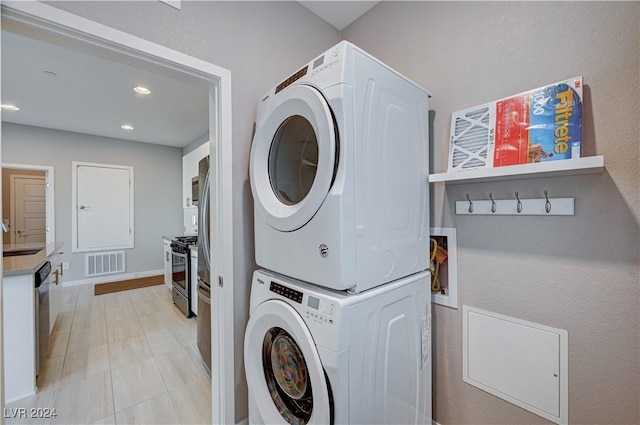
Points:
(284, 373)
(293, 158)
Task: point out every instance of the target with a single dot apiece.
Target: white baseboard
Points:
(113, 278)
(434, 422)
(21, 397)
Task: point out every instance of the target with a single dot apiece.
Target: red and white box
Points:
(539, 125)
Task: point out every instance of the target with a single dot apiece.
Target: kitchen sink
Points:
(14, 253)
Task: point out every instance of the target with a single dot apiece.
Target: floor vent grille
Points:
(98, 264)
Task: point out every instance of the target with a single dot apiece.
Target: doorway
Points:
(28, 204)
(27, 207)
(53, 23)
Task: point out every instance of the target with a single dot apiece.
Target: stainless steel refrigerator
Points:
(204, 265)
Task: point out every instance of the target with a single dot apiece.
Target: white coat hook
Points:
(523, 207)
(519, 205)
(547, 204)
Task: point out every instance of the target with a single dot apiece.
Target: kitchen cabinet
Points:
(167, 262)
(20, 314)
(194, 280)
(190, 170)
(55, 288)
(191, 221)
(19, 337)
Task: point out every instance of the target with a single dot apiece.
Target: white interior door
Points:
(103, 207)
(29, 209)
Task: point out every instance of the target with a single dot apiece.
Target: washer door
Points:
(293, 158)
(283, 368)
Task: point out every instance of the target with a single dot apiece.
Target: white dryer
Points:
(339, 173)
(318, 356)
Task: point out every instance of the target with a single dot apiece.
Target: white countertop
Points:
(27, 264)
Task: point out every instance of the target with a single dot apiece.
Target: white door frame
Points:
(50, 200)
(38, 16)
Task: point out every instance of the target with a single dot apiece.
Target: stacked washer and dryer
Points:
(340, 319)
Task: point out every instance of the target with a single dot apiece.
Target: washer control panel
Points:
(317, 309)
(292, 294)
(320, 310)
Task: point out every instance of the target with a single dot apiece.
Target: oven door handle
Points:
(204, 293)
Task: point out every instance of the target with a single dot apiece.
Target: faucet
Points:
(6, 227)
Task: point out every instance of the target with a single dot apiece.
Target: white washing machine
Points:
(339, 173)
(318, 356)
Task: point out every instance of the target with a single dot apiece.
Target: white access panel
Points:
(522, 362)
(102, 207)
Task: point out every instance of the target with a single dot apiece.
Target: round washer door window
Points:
(293, 158)
(285, 376)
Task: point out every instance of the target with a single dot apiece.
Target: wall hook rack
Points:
(516, 206)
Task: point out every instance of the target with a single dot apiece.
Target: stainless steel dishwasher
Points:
(41, 280)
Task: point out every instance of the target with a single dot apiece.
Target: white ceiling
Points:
(92, 90)
(93, 94)
(339, 13)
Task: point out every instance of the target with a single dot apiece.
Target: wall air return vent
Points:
(103, 263)
(472, 139)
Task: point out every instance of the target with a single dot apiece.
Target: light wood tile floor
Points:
(123, 358)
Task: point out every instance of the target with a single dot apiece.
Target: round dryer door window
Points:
(293, 157)
(293, 160)
(286, 380)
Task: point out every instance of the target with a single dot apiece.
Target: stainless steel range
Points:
(181, 273)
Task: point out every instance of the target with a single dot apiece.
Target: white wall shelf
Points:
(568, 167)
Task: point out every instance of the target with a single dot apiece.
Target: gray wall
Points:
(261, 43)
(577, 273)
(157, 177)
(196, 143)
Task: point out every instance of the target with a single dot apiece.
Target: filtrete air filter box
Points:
(543, 124)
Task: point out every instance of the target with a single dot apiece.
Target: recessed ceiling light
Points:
(10, 107)
(126, 127)
(142, 90)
